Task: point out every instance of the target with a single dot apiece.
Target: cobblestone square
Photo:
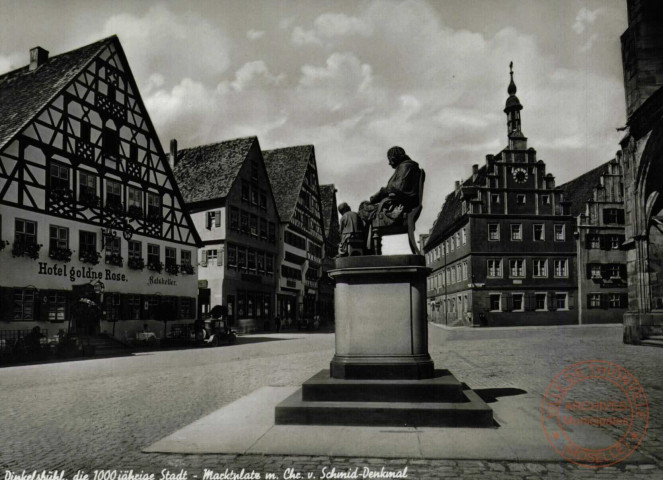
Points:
(99, 414)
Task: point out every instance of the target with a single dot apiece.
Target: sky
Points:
(354, 78)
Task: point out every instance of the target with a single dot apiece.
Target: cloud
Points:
(255, 34)
(584, 18)
(330, 25)
(162, 42)
(254, 74)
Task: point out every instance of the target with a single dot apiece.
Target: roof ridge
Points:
(212, 144)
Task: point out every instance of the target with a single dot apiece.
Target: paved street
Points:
(99, 413)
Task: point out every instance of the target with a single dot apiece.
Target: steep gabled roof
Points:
(208, 172)
(24, 93)
(451, 208)
(581, 189)
(286, 168)
(327, 198)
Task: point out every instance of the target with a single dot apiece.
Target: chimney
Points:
(475, 170)
(38, 57)
(173, 152)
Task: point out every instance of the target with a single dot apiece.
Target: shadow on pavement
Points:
(490, 395)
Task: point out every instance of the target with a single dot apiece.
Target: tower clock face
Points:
(519, 175)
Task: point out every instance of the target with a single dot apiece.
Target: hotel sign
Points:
(77, 273)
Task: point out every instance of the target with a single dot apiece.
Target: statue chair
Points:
(383, 225)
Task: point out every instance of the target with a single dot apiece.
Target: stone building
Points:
(642, 148)
(596, 201)
(332, 237)
(87, 199)
(502, 250)
(294, 179)
(228, 195)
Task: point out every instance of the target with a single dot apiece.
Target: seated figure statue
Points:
(386, 211)
(352, 231)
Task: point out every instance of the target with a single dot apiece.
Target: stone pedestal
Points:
(381, 329)
(381, 373)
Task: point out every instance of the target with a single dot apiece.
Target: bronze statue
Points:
(352, 230)
(395, 208)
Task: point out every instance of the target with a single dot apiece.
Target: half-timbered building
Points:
(332, 237)
(228, 195)
(87, 199)
(293, 175)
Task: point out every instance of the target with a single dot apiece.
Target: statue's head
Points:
(396, 155)
(343, 208)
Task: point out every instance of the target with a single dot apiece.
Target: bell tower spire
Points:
(512, 109)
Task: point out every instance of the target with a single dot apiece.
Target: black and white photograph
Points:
(331, 240)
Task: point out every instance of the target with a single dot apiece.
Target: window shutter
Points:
(219, 257)
(208, 221)
(552, 305)
(620, 216)
(125, 312)
(509, 302)
(6, 304)
(571, 301)
(203, 260)
(41, 307)
(622, 271)
(217, 218)
(604, 300)
(144, 312)
(589, 301)
(530, 302)
(623, 300)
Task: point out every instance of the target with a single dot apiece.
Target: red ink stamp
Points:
(590, 404)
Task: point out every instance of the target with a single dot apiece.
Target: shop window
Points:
(540, 301)
(24, 304)
(518, 302)
(57, 304)
(495, 302)
(112, 306)
(134, 306)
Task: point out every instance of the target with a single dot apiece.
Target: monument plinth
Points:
(381, 330)
(381, 373)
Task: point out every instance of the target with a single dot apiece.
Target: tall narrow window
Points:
(153, 255)
(493, 232)
(171, 256)
(113, 195)
(135, 203)
(87, 243)
(110, 142)
(560, 233)
(87, 192)
(561, 268)
(25, 231)
(58, 239)
(153, 206)
(135, 249)
(540, 267)
(539, 232)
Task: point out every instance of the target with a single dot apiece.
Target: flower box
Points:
(186, 269)
(172, 268)
(60, 254)
(136, 263)
(114, 259)
(22, 249)
(90, 256)
(155, 266)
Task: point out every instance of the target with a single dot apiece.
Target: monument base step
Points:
(443, 387)
(390, 410)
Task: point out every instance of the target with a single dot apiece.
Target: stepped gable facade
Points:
(502, 250)
(228, 195)
(88, 204)
(294, 178)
